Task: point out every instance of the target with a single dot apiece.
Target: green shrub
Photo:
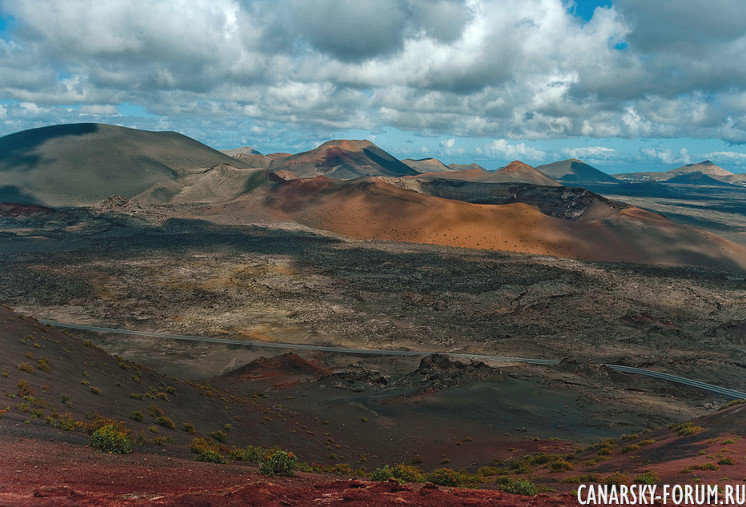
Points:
(280, 463)
(444, 477)
(520, 467)
(706, 466)
(137, 415)
(251, 453)
(686, 429)
(43, 364)
(155, 411)
(381, 474)
(648, 478)
(189, 428)
(516, 486)
(542, 459)
(200, 444)
(211, 456)
(646, 442)
(27, 367)
(165, 422)
(727, 461)
(218, 435)
(24, 389)
(732, 404)
(616, 479)
(561, 466)
(630, 448)
(111, 439)
(406, 473)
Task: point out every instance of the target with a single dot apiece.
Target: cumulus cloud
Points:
(666, 155)
(449, 147)
(729, 156)
(589, 152)
(498, 69)
(500, 148)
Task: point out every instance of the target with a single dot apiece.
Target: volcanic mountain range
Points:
(701, 173)
(352, 188)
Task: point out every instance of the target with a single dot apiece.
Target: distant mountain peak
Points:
(517, 166)
(575, 170)
(347, 144)
(706, 167)
(427, 165)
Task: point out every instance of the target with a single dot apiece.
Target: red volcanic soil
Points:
(344, 159)
(473, 174)
(375, 210)
(523, 173)
(38, 472)
(288, 366)
(72, 380)
(709, 450)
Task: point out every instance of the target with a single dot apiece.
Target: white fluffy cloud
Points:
(505, 69)
(589, 152)
(666, 155)
(727, 156)
(500, 148)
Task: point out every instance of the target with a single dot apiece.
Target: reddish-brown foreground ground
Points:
(36, 472)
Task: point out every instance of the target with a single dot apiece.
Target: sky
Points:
(626, 85)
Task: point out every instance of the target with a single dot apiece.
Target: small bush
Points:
(444, 477)
(27, 367)
(542, 459)
(218, 435)
(646, 442)
(155, 411)
(280, 463)
(406, 473)
(732, 404)
(578, 479)
(43, 364)
(687, 429)
(189, 428)
(165, 422)
(561, 465)
(24, 389)
(381, 474)
(648, 478)
(95, 390)
(520, 467)
(630, 448)
(137, 416)
(111, 439)
(211, 456)
(517, 486)
(252, 453)
(706, 466)
(727, 461)
(616, 479)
